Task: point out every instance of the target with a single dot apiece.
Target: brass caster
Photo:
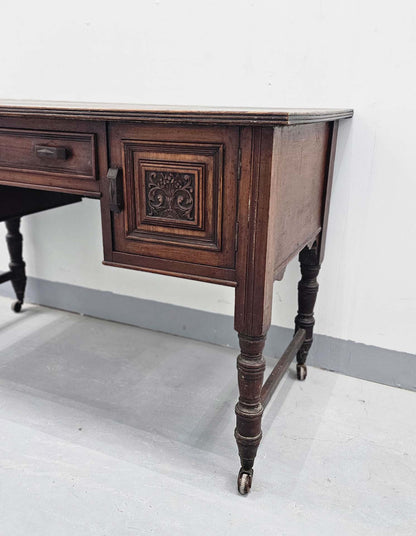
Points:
(301, 372)
(17, 306)
(244, 481)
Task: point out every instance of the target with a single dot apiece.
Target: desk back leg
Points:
(17, 266)
(307, 291)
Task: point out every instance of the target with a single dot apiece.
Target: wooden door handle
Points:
(53, 153)
(115, 189)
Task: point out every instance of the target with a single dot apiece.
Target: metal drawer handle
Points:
(53, 153)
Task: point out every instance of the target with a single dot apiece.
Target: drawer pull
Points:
(115, 189)
(54, 153)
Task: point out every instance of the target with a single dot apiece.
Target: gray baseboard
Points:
(347, 357)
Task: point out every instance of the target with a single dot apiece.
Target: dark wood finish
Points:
(281, 366)
(283, 205)
(17, 266)
(254, 289)
(300, 182)
(115, 189)
(78, 173)
(307, 292)
(17, 202)
(48, 152)
(332, 143)
(249, 410)
(52, 153)
(5, 276)
(221, 195)
(180, 199)
(186, 270)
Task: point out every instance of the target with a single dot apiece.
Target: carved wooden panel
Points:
(175, 192)
(170, 194)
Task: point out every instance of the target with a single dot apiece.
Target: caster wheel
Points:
(17, 306)
(244, 481)
(301, 372)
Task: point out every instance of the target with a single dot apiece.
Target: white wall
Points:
(305, 53)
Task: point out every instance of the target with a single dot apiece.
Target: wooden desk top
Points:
(171, 114)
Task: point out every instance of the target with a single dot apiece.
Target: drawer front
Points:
(180, 194)
(59, 154)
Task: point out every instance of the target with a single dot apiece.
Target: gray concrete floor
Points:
(111, 430)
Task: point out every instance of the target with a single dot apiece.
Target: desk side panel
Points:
(299, 176)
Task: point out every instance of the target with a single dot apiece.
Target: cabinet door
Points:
(179, 189)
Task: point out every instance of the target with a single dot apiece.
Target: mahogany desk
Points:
(227, 196)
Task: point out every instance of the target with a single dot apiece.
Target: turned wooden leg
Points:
(17, 266)
(307, 292)
(249, 411)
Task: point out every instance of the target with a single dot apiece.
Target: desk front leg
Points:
(249, 409)
(252, 321)
(253, 298)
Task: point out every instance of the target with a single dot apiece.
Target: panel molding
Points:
(203, 164)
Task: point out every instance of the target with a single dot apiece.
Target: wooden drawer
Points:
(57, 158)
(180, 200)
(48, 152)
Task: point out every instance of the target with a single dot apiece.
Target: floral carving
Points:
(170, 195)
